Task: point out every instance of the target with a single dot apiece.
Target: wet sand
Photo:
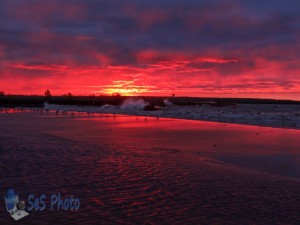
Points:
(139, 170)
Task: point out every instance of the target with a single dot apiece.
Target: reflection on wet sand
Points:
(135, 171)
(265, 149)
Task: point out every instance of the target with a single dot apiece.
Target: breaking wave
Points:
(133, 104)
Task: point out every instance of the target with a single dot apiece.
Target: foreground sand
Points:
(134, 184)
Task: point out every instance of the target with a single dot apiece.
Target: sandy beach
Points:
(160, 112)
(144, 170)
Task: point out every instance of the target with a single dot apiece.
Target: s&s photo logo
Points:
(14, 206)
(39, 203)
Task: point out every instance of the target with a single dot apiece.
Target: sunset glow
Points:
(187, 48)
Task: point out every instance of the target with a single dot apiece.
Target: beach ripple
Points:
(124, 187)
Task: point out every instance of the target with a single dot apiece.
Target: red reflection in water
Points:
(273, 150)
(194, 136)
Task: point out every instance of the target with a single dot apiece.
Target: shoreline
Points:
(213, 121)
(155, 114)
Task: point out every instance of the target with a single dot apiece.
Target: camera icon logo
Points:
(14, 206)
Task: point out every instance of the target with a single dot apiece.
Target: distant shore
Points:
(38, 101)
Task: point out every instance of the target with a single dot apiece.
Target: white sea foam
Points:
(167, 102)
(133, 104)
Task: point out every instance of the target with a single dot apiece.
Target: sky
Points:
(217, 48)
